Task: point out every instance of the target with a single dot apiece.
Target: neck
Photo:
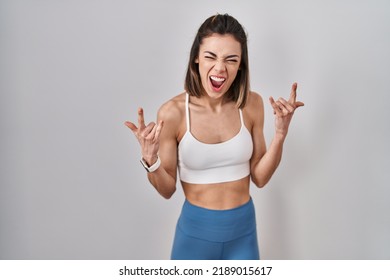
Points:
(212, 103)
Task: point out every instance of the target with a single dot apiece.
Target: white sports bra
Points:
(201, 163)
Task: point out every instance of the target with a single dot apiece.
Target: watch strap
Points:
(153, 167)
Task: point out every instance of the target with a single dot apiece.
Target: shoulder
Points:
(173, 109)
(254, 100)
(172, 113)
(254, 105)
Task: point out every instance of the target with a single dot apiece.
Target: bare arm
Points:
(159, 140)
(264, 162)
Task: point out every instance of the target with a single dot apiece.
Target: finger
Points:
(132, 126)
(274, 104)
(155, 133)
(299, 104)
(141, 120)
(148, 129)
(293, 94)
(158, 130)
(151, 135)
(282, 108)
(276, 107)
(279, 104)
(287, 106)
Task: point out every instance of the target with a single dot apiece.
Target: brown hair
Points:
(220, 24)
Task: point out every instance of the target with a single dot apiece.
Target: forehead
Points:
(221, 44)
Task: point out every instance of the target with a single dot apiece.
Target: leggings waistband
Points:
(217, 225)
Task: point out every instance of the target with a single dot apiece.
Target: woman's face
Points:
(219, 60)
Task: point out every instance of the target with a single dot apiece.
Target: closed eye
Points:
(230, 58)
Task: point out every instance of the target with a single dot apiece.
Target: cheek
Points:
(202, 74)
(205, 65)
(233, 71)
(204, 69)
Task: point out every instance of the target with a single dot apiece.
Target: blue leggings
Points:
(204, 234)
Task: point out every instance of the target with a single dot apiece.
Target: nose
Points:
(220, 65)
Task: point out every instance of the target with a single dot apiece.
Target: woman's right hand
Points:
(148, 137)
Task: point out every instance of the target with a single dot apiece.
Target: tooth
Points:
(217, 79)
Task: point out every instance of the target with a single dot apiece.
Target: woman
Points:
(213, 135)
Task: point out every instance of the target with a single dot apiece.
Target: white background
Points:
(71, 72)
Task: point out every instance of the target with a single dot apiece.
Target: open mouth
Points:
(217, 82)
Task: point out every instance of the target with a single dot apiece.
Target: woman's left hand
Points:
(284, 111)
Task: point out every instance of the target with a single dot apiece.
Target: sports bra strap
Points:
(241, 117)
(187, 111)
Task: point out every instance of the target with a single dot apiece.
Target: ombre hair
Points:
(220, 24)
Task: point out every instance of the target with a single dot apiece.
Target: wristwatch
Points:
(153, 167)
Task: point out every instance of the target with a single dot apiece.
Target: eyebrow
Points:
(227, 57)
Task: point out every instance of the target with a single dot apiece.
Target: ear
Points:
(196, 60)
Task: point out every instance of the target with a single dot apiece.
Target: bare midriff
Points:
(218, 196)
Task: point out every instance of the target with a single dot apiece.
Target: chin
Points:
(216, 93)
